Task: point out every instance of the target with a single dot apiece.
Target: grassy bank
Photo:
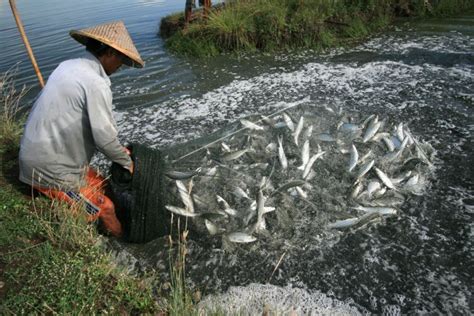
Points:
(269, 25)
(53, 262)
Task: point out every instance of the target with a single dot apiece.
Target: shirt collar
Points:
(97, 66)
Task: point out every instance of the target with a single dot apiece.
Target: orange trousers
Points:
(97, 205)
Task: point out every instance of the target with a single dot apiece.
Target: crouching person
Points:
(72, 118)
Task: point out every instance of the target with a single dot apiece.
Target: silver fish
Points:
(372, 187)
(356, 191)
(365, 168)
(271, 147)
(260, 224)
(281, 154)
(345, 223)
(185, 196)
(402, 178)
(388, 142)
(226, 206)
(251, 125)
(289, 122)
(412, 181)
(239, 192)
(211, 227)
(310, 163)
(304, 155)
(367, 120)
(225, 147)
(354, 158)
(288, 185)
(371, 130)
(181, 211)
(380, 136)
(180, 175)
(240, 237)
(385, 179)
(400, 134)
(301, 193)
(325, 137)
(234, 155)
(299, 128)
(309, 132)
(379, 210)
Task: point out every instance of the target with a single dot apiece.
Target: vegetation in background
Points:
(268, 25)
(53, 262)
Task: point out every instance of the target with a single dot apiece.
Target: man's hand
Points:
(128, 152)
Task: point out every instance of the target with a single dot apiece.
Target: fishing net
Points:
(233, 186)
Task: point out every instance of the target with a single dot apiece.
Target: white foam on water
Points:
(256, 299)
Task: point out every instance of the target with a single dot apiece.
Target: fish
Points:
(402, 178)
(239, 192)
(379, 210)
(241, 237)
(288, 185)
(309, 132)
(281, 154)
(412, 181)
(226, 206)
(279, 125)
(325, 137)
(310, 163)
(354, 158)
(372, 187)
(299, 128)
(365, 168)
(357, 188)
(301, 193)
(181, 211)
(225, 147)
(385, 179)
(289, 122)
(271, 147)
(345, 223)
(260, 224)
(371, 130)
(304, 155)
(235, 155)
(185, 196)
(400, 134)
(349, 128)
(211, 227)
(251, 125)
(181, 175)
(368, 120)
(388, 142)
(380, 192)
(267, 120)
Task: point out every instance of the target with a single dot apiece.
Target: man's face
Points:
(111, 61)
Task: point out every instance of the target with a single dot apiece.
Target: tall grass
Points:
(10, 106)
(268, 25)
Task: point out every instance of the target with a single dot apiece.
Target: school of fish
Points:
(258, 179)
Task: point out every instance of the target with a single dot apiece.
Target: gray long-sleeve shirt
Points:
(71, 118)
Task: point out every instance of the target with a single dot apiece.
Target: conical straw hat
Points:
(115, 35)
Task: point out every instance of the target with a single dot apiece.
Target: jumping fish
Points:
(354, 158)
(299, 128)
(385, 179)
(240, 237)
(251, 125)
(281, 154)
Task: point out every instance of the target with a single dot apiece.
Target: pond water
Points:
(418, 73)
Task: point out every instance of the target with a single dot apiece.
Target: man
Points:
(72, 117)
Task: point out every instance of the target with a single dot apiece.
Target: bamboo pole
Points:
(26, 42)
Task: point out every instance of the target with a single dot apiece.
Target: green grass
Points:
(51, 259)
(271, 25)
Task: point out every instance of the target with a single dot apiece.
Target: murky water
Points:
(421, 74)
